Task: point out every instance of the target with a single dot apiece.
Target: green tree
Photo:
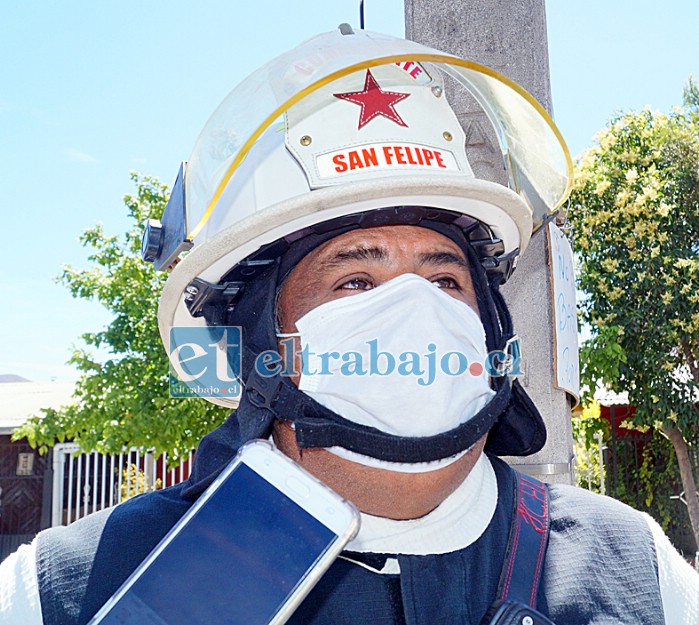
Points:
(635, 208)
(124, 401)
(588, 426)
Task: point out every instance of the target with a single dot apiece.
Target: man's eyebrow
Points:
(356, 253)
(443, 258)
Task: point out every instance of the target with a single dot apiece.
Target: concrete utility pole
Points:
(509, 36)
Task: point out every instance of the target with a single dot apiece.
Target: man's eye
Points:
(357, 284)
(446, 283)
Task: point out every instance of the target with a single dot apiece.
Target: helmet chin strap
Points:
(317, 426)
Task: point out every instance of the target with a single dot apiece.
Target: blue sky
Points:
(92, 90)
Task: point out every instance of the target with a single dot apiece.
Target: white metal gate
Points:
(84, 483)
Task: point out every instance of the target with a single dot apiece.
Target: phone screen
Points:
(232, 563)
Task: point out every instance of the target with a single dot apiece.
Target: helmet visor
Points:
(536, 159)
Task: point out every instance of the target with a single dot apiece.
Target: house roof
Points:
(21, 400)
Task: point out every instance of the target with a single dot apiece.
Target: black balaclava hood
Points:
(515, 425)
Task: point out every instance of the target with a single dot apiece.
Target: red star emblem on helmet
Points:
(375, 101)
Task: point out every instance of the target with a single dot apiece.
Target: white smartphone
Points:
(246, 553)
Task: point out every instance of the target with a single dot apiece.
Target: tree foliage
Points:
(587, 424)
(635, 209)
(652, 483)
(124, 401)
(640, 470)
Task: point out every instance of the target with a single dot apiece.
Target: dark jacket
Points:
(600, 566)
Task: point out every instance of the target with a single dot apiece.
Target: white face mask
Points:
(396, 358)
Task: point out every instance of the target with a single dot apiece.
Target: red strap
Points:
(526, 546)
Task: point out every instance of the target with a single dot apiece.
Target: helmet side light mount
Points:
(211, 301)
(164, 241)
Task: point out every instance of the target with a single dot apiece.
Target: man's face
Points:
(361, 260)
(349, 264)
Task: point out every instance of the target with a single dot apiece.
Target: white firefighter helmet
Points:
(344, 124)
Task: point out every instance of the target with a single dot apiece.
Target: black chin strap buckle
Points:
(262, 391)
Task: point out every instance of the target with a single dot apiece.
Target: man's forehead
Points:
(384, 242)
